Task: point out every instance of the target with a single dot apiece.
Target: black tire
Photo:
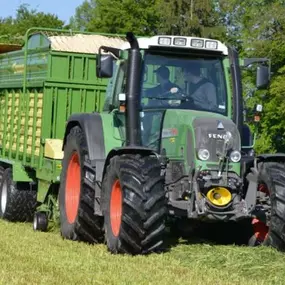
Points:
(272, 175)
(2, 169)
(40, 222)
(137, 184)
(17, 203)
(77, 221)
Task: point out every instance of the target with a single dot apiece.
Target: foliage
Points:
(12, 30)
(118, 16)
(189, 18)
(273, 124)
(84, 14)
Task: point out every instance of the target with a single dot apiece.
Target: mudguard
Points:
(92, 127)
(273, 156)
(128, 150)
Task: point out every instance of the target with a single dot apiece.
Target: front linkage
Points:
(257, 196)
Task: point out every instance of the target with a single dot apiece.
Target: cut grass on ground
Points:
(30, 258)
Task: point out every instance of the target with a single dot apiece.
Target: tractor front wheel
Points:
(269, 226)
(134, 205)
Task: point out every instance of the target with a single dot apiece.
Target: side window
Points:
(120, 83)
(109, 90)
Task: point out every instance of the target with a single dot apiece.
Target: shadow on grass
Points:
(230, 233)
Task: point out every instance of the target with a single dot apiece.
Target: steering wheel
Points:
(174, 94)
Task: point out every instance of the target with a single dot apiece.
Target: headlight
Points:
(179, 42)
(164, 41)
(197, 43)
(211, 44)
(203, 154)
(235, 156)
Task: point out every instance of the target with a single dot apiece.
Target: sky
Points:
(64, 11)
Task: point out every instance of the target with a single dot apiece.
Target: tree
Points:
(117, 16)
(26, 18)
(13, 29)
(84, 14)
(189, 18)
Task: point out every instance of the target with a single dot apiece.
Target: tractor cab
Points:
(178, 80)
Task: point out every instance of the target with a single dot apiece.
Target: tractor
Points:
(170, 144)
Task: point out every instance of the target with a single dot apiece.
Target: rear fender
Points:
(92, 127)
(271, 157)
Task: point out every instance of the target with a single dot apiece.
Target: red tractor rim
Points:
(116, 207)
(259, 227)
(72, 188)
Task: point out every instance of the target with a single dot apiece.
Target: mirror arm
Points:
(248, 61)
(115, 51)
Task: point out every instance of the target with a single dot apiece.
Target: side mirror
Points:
(262, 76)
(104, 66)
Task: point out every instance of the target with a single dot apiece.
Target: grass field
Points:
(27, 257)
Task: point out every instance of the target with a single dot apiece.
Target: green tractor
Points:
(178, 150)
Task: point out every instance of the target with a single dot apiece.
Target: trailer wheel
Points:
(77, 192)
(40, 222)
(269, 227)
(134, 205)
(17, 204)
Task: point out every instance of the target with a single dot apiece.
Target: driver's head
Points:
(162, 74)
(192, 71)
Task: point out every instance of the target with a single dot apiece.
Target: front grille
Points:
(207, 135)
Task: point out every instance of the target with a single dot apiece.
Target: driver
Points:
(162, 75)
(203, 92)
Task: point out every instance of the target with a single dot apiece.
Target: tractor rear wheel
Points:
(269, 226)
(77, 192)
(17, 203)
(134, 205)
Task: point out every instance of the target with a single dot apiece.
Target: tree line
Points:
(255, 28)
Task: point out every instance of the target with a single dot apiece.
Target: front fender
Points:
(127, 150)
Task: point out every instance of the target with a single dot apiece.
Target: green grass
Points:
(27, 257)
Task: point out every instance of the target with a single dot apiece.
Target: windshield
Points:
(184, 82)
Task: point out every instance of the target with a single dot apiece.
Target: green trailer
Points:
(42, 83)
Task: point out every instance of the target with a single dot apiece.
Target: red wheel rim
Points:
(116, 208)
(72, 188)
(259, 227)
(260, 230)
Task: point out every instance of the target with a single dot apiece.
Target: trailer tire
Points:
(17, 205)
(134, 205)
(77, 194)
(272, 179)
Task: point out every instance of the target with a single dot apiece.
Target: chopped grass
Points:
(45, 258)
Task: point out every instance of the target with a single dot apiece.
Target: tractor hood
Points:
(184, 132)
